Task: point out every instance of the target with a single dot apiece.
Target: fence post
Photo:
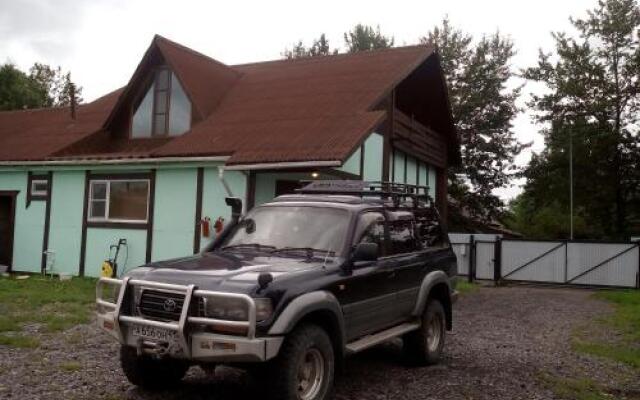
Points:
(472, 259)
(638, 273)
(566, 261)
(497, 260)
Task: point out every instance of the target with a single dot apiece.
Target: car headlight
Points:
(264, 309)
(236, 309)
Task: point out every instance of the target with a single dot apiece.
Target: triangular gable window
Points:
(164, 110)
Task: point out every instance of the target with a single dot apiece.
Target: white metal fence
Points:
(614, 264)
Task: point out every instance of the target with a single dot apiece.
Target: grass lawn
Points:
(614, 337)
(623, 342)
(48, 304)
(463, 286)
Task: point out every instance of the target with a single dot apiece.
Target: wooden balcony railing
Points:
(414, 138)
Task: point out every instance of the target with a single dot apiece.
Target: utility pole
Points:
(571, 183)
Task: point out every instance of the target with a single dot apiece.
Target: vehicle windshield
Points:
(290, 227)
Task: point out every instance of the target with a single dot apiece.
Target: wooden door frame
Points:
(13, 195)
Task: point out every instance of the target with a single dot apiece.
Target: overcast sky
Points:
(101, 41)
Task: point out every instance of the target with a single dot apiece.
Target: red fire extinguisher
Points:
(218, 226)
(205, 223)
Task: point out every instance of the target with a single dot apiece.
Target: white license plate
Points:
(155, 334)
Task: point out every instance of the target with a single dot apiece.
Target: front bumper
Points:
(190, 343)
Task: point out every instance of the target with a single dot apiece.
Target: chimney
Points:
(72, 95)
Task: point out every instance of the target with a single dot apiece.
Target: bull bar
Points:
(203, 346)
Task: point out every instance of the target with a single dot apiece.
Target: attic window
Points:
(164, 110)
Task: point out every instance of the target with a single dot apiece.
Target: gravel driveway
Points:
(504, 340)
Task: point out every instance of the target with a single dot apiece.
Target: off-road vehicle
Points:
(290, 289)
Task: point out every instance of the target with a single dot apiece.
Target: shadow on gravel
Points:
(379, 365)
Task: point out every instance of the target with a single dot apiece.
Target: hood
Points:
(232, 272)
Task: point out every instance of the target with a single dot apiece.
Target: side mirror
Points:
(236, 207)
(365, 252)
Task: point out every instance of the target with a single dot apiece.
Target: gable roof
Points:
(310, 109)
(33, 135)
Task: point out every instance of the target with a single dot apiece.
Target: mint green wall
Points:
(99, 240)
(412, 167)
(427, 173)
(424, 177)
(373, 157)
(352, 165)
(214, 193)
(28, 226)
(65, 225)
(398, 169)
(175, 211)
(432, 182)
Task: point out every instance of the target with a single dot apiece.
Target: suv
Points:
(290, 289)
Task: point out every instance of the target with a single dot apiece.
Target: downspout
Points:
(224, 182)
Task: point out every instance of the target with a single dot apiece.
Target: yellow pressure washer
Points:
(110, 266)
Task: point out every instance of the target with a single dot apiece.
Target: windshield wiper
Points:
(256, 246)
(309, 250)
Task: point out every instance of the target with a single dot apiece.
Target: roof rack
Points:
(395, 192)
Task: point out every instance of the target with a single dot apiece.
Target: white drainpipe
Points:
(224, 182)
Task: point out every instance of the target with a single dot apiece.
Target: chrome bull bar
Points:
(106, 307)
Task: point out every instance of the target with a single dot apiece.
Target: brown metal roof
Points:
(278, 111)
(36, 134)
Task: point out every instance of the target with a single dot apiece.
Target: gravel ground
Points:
(504, 340)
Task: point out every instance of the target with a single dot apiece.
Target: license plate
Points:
(153, 333)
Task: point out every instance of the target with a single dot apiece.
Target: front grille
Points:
(165, 306)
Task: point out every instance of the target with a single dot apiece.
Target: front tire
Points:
(149, 373)
(425, 345)
(304, 369)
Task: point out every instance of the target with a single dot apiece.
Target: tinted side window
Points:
(401, 236)
(430, 230)
(370, 229)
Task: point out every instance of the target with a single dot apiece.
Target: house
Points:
(147, 162)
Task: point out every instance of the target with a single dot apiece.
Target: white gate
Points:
(589, 263)
(570, 262)
(485, 259)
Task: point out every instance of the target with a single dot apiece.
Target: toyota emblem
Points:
(169, 305)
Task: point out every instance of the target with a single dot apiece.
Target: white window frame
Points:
(106, 218)
(39, 193)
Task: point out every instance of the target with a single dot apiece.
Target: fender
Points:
(433, 278)
(304, 305)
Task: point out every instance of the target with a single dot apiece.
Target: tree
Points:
(483, 104)
(591, 106)
(56, 83)
(44, 86)
(320, 47)
(364, 38)
(19, 91)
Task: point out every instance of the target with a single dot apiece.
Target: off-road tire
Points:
(149, 373)
(422, 346)
(280, 377)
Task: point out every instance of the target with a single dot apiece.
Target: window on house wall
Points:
(37, 188)
(164, 110)
(119, 200)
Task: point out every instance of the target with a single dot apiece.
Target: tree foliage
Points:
(18, 90)
(483, 102)
(364, 38)
(591, 105)
(44, 86)
(319, 47)
(56, 83)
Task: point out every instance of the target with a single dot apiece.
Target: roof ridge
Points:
(59, 108)
(192, 51)
(38, 109)
(339, 55)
